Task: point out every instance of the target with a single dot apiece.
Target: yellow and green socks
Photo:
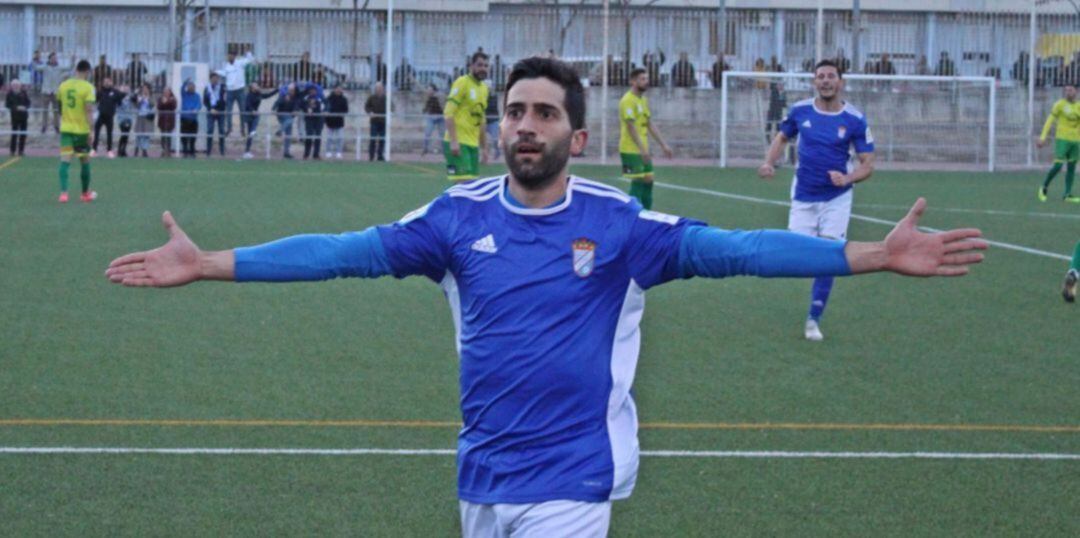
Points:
(64, 176)
(1070, 175)
(642, 190)
(1050, 175)
(84, 176)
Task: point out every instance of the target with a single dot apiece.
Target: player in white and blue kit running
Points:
(828, 129)
(545, 274)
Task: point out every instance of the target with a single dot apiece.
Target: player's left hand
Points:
(911, 252)
(838, 178)
(668, 153)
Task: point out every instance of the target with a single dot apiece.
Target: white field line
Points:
(997, 212)
(767, 454)
(754, 199)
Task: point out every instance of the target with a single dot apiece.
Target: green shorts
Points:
(634, 167)
(1066, 151)
(463, 167)
(70, 143)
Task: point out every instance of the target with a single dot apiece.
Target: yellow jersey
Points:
(634, 109)
(466, 104)
(1067, 116)
(74, 94)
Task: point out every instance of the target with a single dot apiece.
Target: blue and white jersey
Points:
(825, 142)
(546, 305)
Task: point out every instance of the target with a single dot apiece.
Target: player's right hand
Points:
(175, 263)
(646, 157)
(1040, 142)
(766, 171)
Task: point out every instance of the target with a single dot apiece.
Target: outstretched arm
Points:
(299, 258)
(766, 170)
(715, 253)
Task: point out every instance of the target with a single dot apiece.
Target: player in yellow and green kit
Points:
(634, 128)
(77, 99)
(1066, 112)
(464, 112)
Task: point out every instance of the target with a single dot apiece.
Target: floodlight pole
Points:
(389, 76)
(604, 88)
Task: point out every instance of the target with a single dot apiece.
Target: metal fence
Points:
(684, 49)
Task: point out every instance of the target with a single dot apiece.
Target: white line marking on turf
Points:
(998, 212)
(754, 199)
(766, 454)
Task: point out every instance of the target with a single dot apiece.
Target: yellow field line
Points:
(417, 168)
(10, 162)
(452, 424)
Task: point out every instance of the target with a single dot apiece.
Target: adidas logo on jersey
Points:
(485, 244)
(806, 124)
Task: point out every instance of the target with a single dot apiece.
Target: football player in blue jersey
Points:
(545, 274)
(828, 128)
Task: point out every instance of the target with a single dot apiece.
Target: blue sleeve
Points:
(313, 257)
(716, 253)
(790, 126)
(418, 244)
(863, 139)
(653, 246)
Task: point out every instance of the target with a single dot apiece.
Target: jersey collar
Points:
(504, 199)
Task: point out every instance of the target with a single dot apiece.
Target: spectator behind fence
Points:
(125, 118)
(404, 76)
(303, 70)
(375, 106)
(775, 66)
(1020, 68)
(214, 99)
(136, 71)
(234, 74)
(945, 66)
(18, 104)
(433, 117)
(378, 69)
(682, 73)
(166, 120)
(101, 72)
(313, 123)
(923, 67)
(337, 106)
(190, 104)
(36, 75)
(843, 64)
(108, 98)
(652, 62)
(286, 106)
(885, 65)
(52, 75)
(249, 120)
(144, 124)
(717, 72)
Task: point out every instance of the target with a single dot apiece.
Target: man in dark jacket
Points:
(337, 106)
(286, 106)
(249, 118)
(313, 123)
(214, 102)
(108, 99)
(18, 104)
(375, 106)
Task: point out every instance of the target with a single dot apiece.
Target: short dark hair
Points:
(635, 72)
(477, 56)
(829, 63)
(83, 66)
(558, 72)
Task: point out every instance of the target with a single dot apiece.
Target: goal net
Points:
(917, 122)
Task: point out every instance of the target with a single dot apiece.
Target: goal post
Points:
(916, 121)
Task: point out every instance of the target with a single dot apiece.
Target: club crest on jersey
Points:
(841, 132)
(584, 257)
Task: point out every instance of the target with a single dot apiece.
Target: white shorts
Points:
(821, 219)
(552, 519)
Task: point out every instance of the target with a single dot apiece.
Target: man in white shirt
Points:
(235, 83)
